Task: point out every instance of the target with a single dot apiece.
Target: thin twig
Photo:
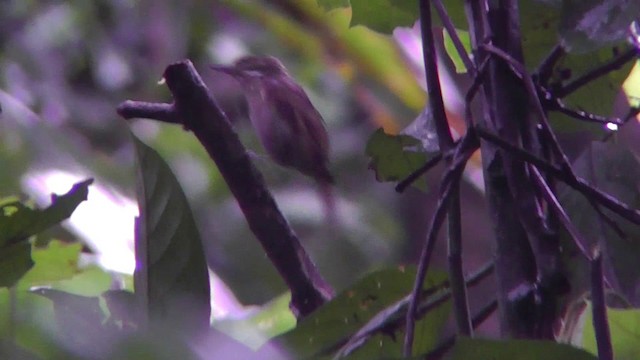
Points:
(450, 180)
(575, 182)
(599, 309)
(450, 197)
(597, 72)
(585, 116)
(453, 34)
(557, 208)
(545, 70)
(472, 91)
(404, 184)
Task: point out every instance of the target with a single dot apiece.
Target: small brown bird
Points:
(290, 128)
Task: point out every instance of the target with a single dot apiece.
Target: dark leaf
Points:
(171, 271)
(79, 322)
(615, 170)
(15, 261)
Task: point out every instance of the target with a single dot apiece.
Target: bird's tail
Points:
(327, 196)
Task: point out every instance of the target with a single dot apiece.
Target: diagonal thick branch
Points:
(198, 112)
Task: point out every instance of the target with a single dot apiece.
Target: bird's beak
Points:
(231, 70)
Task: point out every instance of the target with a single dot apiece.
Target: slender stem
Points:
(434, 89)
(599, 309)
(585, 116)
(445, 139)
(456, 274)
(450, 180)
(557, 208)
(545, 70)
(597, 72)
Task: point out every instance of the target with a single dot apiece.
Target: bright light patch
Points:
(105, 222)
(612, 126)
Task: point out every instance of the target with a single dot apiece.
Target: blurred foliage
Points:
(65, 66)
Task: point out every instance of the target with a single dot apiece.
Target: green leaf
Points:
(394, 157)
(328, 5)
(384, 15)
(91, 281)
(171, 271)
(587, 25)
(477, 349)
(18, 222)
(333, 323)
(58, 261)
(631, 86)
(539, 26)
(256, 328)
(29, 320)
(624, 326)
(614, 170)
(453, 52)
(597, 97)
(15, 261)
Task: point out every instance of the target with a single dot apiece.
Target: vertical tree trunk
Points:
(513, 205)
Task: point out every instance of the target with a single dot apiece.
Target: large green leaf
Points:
(334, 323)
(171, 275)
(616, 171)
(477, 349)
(624, 326)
